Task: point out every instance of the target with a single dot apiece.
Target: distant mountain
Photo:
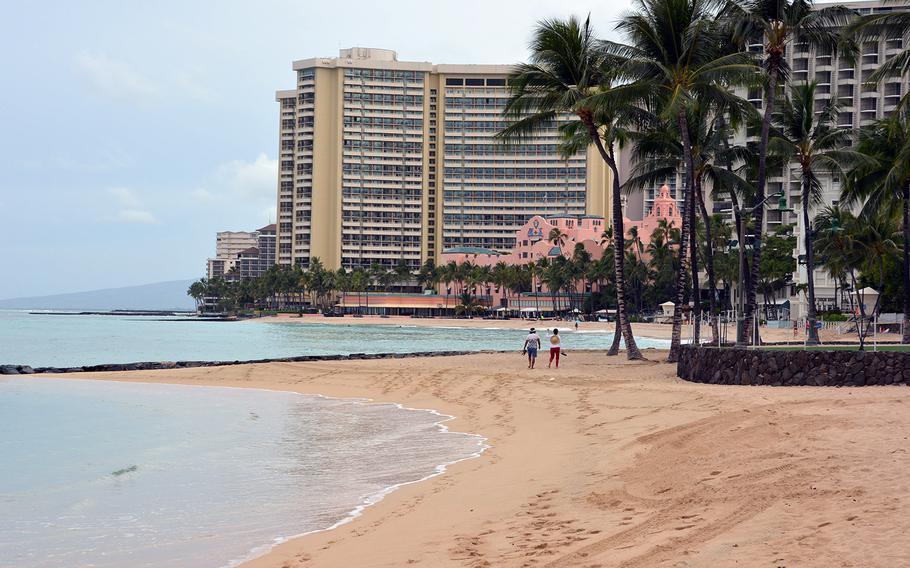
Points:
(158, 296)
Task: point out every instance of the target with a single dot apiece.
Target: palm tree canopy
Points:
(677, 48)
(782, 22)
(878, 184)
(810, 138)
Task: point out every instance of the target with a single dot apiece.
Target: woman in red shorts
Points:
(554, 348)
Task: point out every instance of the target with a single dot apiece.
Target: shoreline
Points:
(611, 463)
(366, 501)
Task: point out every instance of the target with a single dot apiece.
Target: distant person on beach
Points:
(532, 344)
(554, 347)
(576, 324)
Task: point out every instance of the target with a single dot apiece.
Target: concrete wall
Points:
(790, 368)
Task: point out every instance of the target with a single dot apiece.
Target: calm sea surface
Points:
(65, 340)
(110, 474)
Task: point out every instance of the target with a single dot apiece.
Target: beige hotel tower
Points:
(384, 160)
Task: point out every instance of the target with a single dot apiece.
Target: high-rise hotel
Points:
(383, 161)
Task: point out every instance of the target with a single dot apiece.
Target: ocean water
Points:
(108, 474)
(69, 340)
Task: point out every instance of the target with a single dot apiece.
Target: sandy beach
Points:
(610, 463)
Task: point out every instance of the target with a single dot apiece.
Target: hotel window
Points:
(454, 82)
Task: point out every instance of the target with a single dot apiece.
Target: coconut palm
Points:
(197, 291)
(779, 24)
(835, 228)
(569, 74)
(876, 244)
(813, 141)
(883, 185)
(557, 238)
(676, 47)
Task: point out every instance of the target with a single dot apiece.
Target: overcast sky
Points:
(133, 131)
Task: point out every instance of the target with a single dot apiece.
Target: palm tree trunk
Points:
(905, 269)
(759, 213)
(622, 316)
(810, 264)
(676, 337)
(693, 261)
(709, 260)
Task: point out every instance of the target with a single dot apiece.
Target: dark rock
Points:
(8, 370)
(817, 368)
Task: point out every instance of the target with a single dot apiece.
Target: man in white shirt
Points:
(532, 344)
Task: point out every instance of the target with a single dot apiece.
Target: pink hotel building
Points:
(532, 240)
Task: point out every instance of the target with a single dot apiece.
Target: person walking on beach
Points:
(532, 344)
(554, 348)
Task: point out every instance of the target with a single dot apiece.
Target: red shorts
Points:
(554, 354)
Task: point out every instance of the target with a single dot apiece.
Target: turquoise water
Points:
(111, 474)
(62, 341)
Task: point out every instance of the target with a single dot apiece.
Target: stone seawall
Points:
(793, 367)
(153, 365)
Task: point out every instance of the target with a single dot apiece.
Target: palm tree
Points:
(197, 291)
(676, 48)
(343, 283)
(570, 74)
(884, 185)
(813, 141)
(428, 276)
(360, 283)
(779, 24)
(557, 238)
(834, 231)
(876, 244)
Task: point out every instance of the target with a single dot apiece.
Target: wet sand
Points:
(606, 462)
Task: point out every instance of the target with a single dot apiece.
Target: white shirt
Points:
(533, 340)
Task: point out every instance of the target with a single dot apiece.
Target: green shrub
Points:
(834, 316)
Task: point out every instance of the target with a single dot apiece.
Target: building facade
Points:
(228, 244)
(241, 255)
(386, 161)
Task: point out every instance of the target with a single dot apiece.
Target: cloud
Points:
(240, 189)
(130, 207)
(119, 80)
(137, 216)
(204, 196)
(114, 79)
(125, 196)
(254, 179)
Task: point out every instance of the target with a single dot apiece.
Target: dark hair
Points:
(555, 331)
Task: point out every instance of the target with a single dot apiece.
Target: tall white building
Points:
(384, 161)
